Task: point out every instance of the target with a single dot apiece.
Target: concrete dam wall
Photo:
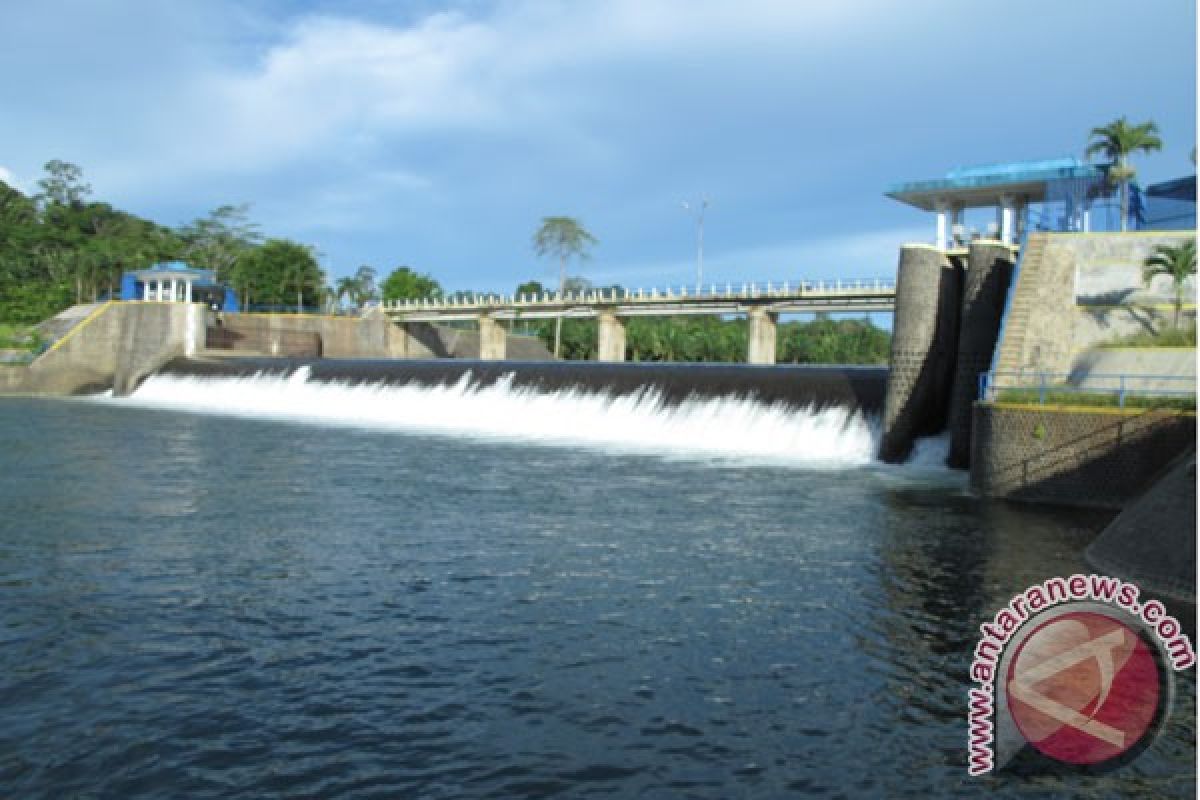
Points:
(948, 311)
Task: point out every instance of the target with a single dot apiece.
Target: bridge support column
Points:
(610, 329)
(493, 339)
(924, 347)
(760, 336)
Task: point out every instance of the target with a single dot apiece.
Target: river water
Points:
(274, 586)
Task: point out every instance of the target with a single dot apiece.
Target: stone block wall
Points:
(1100, 458)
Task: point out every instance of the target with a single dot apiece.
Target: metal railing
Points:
(1061, 388)
(728, 291)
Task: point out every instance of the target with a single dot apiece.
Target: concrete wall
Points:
(376, 336)
(924, 348)
(989, 272)
(1153, 542)
(341, 337)
(115, 346)
(1083, 290)
(1101, 458)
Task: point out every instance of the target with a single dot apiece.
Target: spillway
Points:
(811, 416)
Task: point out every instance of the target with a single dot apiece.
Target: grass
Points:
(1171, 337)
(1095, 399)
(19, 337)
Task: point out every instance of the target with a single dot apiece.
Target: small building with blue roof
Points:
(176, 282)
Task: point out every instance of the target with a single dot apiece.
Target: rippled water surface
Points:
(208, 607)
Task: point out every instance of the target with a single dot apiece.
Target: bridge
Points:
(762, 303)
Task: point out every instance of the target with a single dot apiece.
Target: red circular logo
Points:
(1084, 688)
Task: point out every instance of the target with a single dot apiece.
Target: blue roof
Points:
(980, 179)
(200, 277)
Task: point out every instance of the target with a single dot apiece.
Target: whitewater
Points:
(738, 428)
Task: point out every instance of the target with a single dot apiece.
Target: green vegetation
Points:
(1173, 337)
(60, 247)
(713, 339)
(1179, 263)
(1117, 141)
(19, 337)
(1093, 399)
(564, 238)
(405, 283)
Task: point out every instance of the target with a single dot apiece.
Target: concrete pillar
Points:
(989, 272)
(940, 240)
(493, 340)
(610, 329)
(1005, 218)
(760, 336)
(924, 346)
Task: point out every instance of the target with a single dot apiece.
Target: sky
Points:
(438, 135)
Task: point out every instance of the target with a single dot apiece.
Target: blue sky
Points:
(437, 135)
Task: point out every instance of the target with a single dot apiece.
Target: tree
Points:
(1117, 141)
(563, 238)
(405, 283)
(346, 287)
(1177, 262)
(63, 185)
(276, 272)
(530, 288)
(364, 277)
(217, 241)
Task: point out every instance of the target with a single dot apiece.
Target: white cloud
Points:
(529, 71)
(8, 177)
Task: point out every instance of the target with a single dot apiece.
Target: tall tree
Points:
(346, 288)
(1117, 141)
(364, 281)
(63, 185)
(1178, 262)
(562, 238)
(217, 241)
(405, 283)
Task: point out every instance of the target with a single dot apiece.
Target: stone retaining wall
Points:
(1100, 458)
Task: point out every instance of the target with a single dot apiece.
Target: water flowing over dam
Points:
(812, 416)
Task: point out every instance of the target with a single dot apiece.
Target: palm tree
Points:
(565, 238)
(346, 287)
(1177, 262)
(364, 278)
(1117, 140)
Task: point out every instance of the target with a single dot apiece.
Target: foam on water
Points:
(734, 428)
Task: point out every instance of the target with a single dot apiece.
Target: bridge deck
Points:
(808, 296)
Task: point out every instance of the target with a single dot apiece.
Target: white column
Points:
(187, 291)
(1005, 217)
(1087, 219)
(941, 239)
(145, 290)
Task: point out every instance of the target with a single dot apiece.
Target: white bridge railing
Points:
(714, 293)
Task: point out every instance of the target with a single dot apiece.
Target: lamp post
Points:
(698, 213)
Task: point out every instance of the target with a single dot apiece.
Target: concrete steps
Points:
(1024, 299)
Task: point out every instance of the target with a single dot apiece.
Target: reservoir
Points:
(296, 582)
